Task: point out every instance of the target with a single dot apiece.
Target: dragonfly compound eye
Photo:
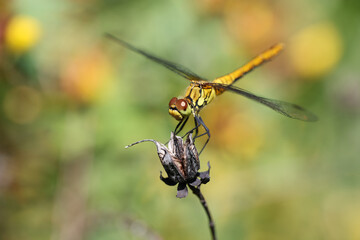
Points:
(181, 104)
(173, 101)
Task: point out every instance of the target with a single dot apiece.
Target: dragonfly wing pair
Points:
(219, 85)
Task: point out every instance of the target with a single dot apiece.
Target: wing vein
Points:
(177, 68)
(287, 109)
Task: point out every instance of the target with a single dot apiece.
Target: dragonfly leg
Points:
(198, 122)
(207, 132)
(180, 125)
(197, 125)
(196, 128)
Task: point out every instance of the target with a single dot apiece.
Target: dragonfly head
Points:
(178, 108)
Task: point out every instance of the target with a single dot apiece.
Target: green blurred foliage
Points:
(70, 100)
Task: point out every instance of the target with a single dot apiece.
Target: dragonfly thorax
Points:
(199, 94)
(179, 108)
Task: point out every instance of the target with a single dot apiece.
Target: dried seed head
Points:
(181, 163)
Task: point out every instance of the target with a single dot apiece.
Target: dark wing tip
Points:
(301, 113)
(309, 117)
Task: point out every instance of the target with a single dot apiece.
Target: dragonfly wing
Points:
(287, 109)
(177, 68)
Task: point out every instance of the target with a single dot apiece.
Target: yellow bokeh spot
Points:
(22, 33)
(316, 50)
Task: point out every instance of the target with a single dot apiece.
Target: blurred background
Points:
(71, 99)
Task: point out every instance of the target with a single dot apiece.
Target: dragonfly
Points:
(201, 92)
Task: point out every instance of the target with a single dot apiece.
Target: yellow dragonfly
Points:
(201, 92)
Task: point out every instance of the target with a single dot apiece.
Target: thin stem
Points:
(198, 193)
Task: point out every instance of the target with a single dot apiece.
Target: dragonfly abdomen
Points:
(230, 78)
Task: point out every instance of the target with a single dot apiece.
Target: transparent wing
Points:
(177, 68)
(287, 109)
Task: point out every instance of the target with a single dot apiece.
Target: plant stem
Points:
(198, 193)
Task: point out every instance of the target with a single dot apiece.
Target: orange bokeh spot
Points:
(250, 22)
(236, 132)
(85, 75)
(212, 6)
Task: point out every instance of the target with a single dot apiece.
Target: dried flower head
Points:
(181, 163)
